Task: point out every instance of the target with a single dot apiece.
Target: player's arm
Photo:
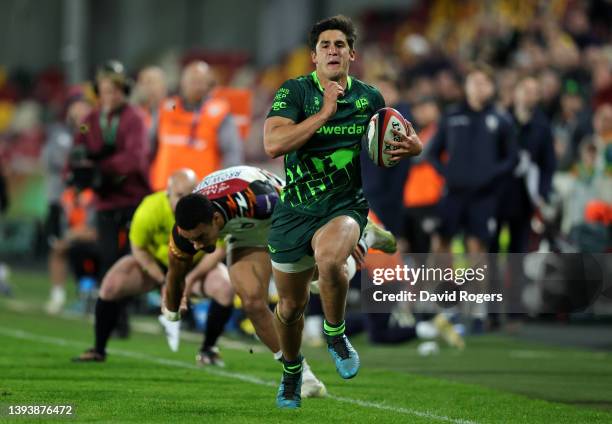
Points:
(509, 148)
(207, 264)
(283, 135)
(180, 256)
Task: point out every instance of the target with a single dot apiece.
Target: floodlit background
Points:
(417, 53)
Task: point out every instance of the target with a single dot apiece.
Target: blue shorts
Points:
(470, 213)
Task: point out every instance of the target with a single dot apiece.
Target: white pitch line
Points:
(24, 335)
(140, 326)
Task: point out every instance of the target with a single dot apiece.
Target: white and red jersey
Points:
(246, 197)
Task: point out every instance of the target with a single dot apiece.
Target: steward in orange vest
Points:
(195, 130)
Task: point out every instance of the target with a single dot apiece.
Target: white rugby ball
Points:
(380, 130)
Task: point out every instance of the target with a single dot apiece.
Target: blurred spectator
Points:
(75, 244)
(151, 89)
(5, 288)
(526, 189)
(55, 157)
(589, 182)
(506, 81)
(531, 182)
(571, 124)
(195, 130)
(448, 87)
(481, 149)
(4, 198)
(602, 84)
(602, 124)
(111, 157)
(550, 92)
(424, 185)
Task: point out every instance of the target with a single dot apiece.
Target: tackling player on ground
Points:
(316, 122)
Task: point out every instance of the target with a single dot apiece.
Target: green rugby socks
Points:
(293, 367)
(332, 330)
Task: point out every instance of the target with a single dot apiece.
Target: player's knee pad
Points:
(284, 321)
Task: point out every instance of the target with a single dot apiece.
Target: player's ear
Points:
(352, 55)
(313, 56)
(218, 219)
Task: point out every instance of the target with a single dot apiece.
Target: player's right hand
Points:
(182, 310)
(332, 91)
(169, 315)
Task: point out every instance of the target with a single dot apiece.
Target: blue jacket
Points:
(481, 148)
(536, 138)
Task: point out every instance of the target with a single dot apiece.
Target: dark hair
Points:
(192, 210)
(115, 71)
(339, 22)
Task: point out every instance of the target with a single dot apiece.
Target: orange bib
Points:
(187, 139)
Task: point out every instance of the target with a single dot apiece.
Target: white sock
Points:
(426, 330)
(278, 355)
(58, 294)
(351, 267)
(479, 310)
(369, 237)
(312, 327)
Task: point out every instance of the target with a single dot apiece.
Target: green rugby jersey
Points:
(324, 174)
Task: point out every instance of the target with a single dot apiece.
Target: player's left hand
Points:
(409, 145)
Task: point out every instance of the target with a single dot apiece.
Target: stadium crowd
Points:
(543, 69)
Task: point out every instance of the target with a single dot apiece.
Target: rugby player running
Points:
(317, 122)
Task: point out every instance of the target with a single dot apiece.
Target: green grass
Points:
(496, 380)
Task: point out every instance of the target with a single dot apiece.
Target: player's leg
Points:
(57, 263)
(292, 290)
(217, 286)
(333, 244)
(292, 282)
(58, 271)
(125, 278)
(481, 227)
(250, 272)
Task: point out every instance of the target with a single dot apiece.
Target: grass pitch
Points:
(497, 379)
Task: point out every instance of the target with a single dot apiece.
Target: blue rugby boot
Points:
(345, 356)
(289, 391)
